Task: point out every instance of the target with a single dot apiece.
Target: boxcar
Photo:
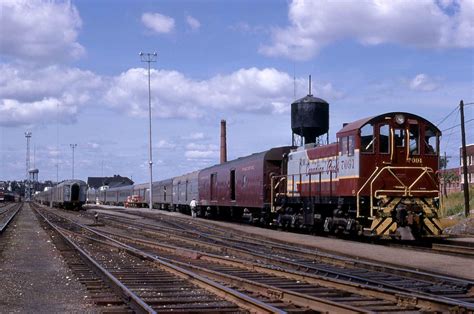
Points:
(241, 186)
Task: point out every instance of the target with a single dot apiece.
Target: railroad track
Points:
(8, 213)
(362, 289)
(457, 248)
(153, 284)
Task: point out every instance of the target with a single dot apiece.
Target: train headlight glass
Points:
(400, 119)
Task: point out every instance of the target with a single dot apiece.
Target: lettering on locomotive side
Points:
(414, 160)
(327, 168)
(348, 164)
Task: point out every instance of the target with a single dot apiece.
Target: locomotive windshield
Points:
(414, 139)
(367, 139)
(431, 142)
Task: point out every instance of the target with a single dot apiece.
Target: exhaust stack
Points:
(223, 142)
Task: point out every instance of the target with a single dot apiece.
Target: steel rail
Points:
(296, 298)
(341, 260)
(229, 294)
(427, 302)
(130, 298)
(344, 262)
(13, 213)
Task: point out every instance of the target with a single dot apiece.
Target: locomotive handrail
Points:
(360, 190)
(407, 190)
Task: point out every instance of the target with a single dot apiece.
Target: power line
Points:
(444, 119)
(455, 126)
(451, 133)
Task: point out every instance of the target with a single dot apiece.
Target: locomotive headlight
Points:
(400, 119)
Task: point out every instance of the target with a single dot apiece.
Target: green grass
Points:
(453, 204)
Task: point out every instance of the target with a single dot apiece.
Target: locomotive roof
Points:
(360, 123)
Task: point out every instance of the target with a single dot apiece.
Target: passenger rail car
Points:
(69, 194)
(185, 188)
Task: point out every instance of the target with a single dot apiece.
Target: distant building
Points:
(470, 165)
(449, 180)
(111, 182)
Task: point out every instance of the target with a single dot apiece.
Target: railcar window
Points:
(350, 143)
(367, 139)
(344, 145)
(232, 184)
(430, 141)
(399, 137)
(213, 186)
(384, 139)
(414, 139)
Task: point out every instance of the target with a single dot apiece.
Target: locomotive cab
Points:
(397, 187)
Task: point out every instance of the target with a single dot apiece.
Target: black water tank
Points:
(310, 118)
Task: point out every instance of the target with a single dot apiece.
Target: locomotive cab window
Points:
(350, 144)
(367, 139)
(347, 145)
(399, 135)
(344, 145)
(414, 139)
(384, 139)
(431, 141)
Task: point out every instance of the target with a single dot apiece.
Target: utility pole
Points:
(464, 161)
(73, 146)
(149, 58)
(27, 183)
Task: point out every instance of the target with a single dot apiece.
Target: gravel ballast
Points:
(34, 277)
(402, 257)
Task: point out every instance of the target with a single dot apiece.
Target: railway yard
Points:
(137, 260)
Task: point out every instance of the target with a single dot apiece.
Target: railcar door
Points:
(399, 150)
(75, 190)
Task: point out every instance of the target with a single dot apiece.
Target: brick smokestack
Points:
(223, 142)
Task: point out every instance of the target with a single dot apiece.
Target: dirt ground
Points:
(34, 277)
(461, 227)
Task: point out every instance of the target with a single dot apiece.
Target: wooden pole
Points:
(464, 161)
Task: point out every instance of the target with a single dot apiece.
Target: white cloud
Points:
(424, 24)
(423, 82)
(194, 136)
(37, 95)
(39, 31)
(203, 147)
(199, 154)
(13, 112)
(176, 96)
(193, 23)
(158, 23)
(165, 144)
(26, 90)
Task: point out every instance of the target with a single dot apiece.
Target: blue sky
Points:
(70, 73)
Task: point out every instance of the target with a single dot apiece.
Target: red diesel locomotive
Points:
(378, 179)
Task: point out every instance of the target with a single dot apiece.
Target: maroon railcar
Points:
(241, 185)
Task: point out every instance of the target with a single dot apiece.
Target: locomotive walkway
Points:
(445, 265)
(33, 276)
